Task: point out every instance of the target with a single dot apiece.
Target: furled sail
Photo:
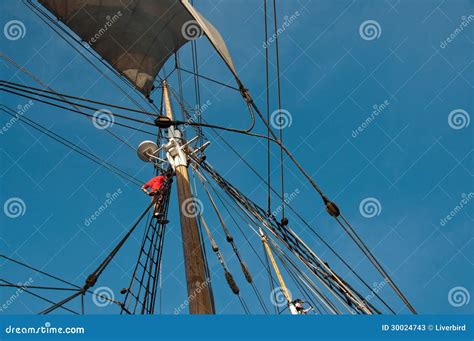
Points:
(137, 37)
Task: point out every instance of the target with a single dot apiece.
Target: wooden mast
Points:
(283, 287)
(199, 293)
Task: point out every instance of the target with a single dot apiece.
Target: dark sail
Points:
(136, 37)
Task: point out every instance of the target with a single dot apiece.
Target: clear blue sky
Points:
(409, 157)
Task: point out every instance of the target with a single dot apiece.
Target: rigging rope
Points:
(330, 206)
(257, 233)
(54, 25)
(38, 81)
(74, 104)
(226, 205)
(151, 266)
(11, 285)
(197, 89)
(38, 270)
(40, 297)
(94, 276)
(277, 57)
(63, 95)
(305, 222)
(72, 146)
(53, 277)
(227, 274)
(78, 111)
(230, 240)
(203, 247)
(209, 79)
(267, 102)
(198, 124)
(302, 290)
(270, 279)
(282, 148)
(306, 281)
(154, 237)
(293, 242)
(363, 247)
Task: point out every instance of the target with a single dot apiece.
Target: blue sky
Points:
(409, 157)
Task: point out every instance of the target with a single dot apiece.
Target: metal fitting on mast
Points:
(175, 153)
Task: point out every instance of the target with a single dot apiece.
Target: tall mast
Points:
(199, 293)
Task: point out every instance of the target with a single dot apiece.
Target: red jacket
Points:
(156, 184)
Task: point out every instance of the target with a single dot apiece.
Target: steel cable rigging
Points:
(285, 235)
(94, 276)
(38, 81)
(292, 241)
(72, 146)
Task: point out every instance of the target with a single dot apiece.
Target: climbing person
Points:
(154, 188)
(300, 307)
(155, 185)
